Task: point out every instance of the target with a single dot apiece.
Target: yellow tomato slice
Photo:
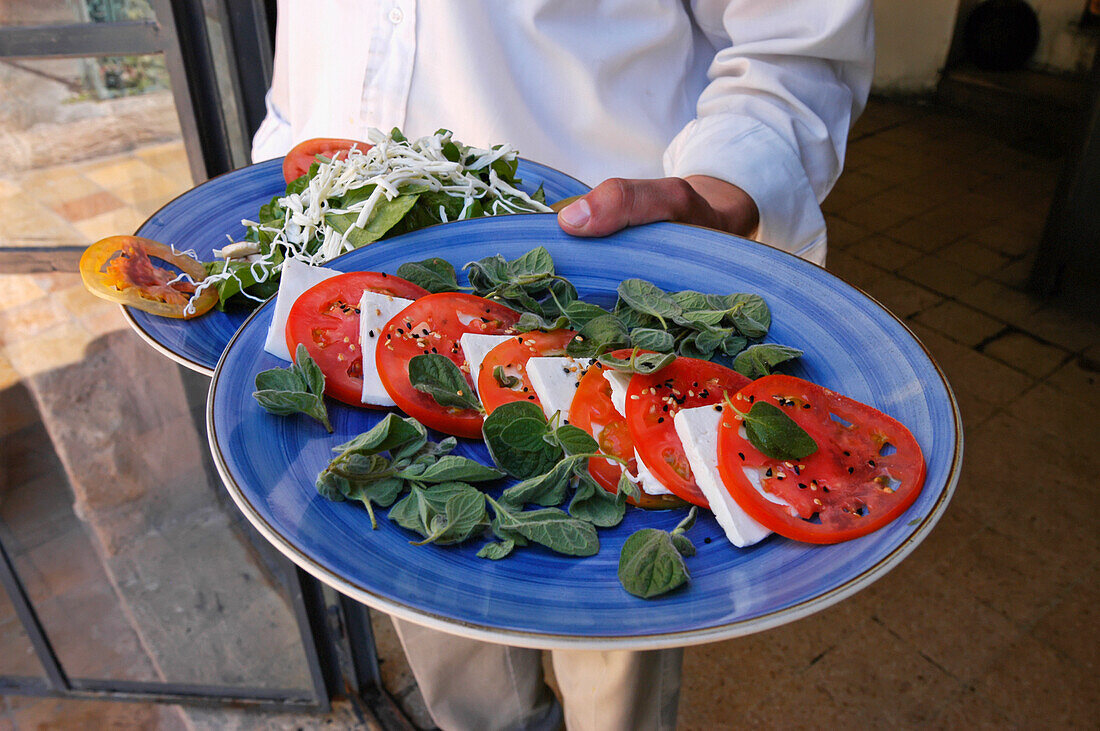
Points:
(120, 269)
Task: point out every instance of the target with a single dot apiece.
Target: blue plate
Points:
(201, 218)
(539, 599)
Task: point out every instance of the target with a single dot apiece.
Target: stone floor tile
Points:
(87, 206)
(1064, 416)
(1061, 326)
(57, 281)
(54, 713)
(8, 187)
(1026, 353)
(874, 214)
(17, 409)
(1071, 626)
(25, 322)
(1028, 675)
(971, 372)
(1080, 377)
(1012, 241)
(926, 232)
(117, 172)
(125, 220)
(940, 275)
(67, 561)
(960, 323)
(850, 189)
(970, 710)
(18, 289)
(870, 680)
(55, 185)
(884, 252)
(936, 615)
(52, 348)
(997, 300)
(150, 186)
(843, 234)
(18, 657)
(28, 223)
(79, 302)
(975, 256)
(1003, 575)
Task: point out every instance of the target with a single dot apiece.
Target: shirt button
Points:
(396, 16)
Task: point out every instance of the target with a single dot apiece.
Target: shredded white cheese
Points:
(390, 165)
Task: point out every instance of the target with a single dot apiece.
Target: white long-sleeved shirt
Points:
(757, 93)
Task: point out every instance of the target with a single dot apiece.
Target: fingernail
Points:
(576, 214)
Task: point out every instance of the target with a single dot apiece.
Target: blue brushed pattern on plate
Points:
(537, 598)
(201, 218)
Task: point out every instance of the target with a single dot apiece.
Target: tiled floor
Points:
(990, 623)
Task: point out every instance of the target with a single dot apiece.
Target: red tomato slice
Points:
(593, 411)
(434, 324)
(512, 355)
(326, 320)
(866, 471)
(652, 401)
(298, 161)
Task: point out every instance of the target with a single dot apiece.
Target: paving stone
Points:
(997, 300)
(1026, 353)
(973, 373)
(1070, 627)
(884, 252)
(975, 256)
(970, 710)
(1029, 673)
(960, 323)
(1080, 377)
(1064, 416)
(940, 275)
(19, 289)
(1056, 324)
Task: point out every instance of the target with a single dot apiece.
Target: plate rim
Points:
(127, 312)
(649, 641)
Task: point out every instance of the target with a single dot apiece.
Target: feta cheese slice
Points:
(476, 346)
(698, 432)
(646, 480)
(295, 279)
(375, 310)
(555, 380)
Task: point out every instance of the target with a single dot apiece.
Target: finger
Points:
(617, 203)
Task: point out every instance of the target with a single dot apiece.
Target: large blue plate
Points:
(201, 218)
(539, 599)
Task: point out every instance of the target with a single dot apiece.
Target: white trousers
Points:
(472, 685)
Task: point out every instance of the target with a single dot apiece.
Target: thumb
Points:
(617, 203)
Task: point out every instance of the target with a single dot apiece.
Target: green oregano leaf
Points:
(297, 389)
(649, 299)
(650, 565)
(434, 274)
(759, 360)
(774, 433)
(504, 380)
(440, 378)
(514, 435)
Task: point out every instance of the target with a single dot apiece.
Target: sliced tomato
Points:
(512, 355)
(120, 269)
(866, 471)
(593, 411)
(298, 161)
(434, 324)
(651, 403)
(325, 318)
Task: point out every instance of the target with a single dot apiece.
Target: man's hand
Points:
(616, 203)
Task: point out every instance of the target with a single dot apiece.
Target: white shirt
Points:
(759, 93)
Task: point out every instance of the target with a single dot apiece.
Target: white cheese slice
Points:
(296, 278)
(375, 310)
(475, 346)
(555, 379)
(646, 480)
(698, 432)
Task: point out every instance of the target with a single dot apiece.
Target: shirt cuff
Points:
(274, 138)
(749, 154)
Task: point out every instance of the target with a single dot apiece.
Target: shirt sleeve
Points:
(786, 82)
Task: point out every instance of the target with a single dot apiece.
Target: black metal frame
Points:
(335, 630)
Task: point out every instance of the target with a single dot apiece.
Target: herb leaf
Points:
(759, 360)
(644, 363)
(774, 433)
(650, 565)
(550, 527)
(514, 435)
(438, 376)
(297, 389)
(434, 274)
(649, 299)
